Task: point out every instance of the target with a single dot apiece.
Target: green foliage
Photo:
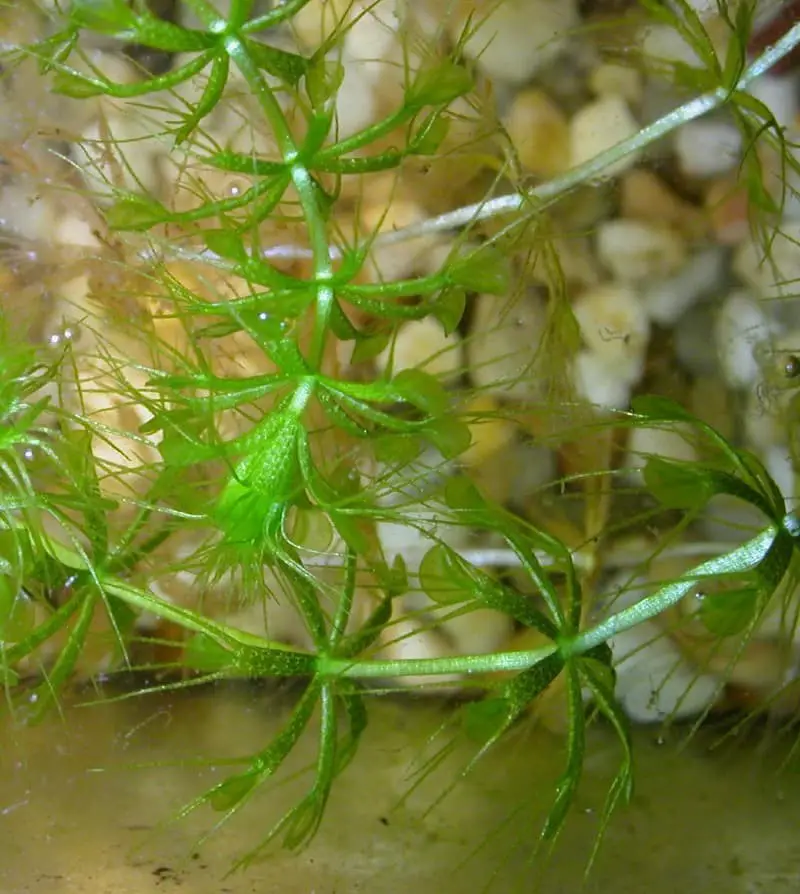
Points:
(64, 562)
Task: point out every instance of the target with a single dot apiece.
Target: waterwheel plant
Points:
(313, 368)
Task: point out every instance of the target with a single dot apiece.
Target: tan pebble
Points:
(503, 345)
(75, 230)
(540, 133)
(317, 20)
(613, 322)
(728, 205)
(597, 127)
(513, 40)
(611, 78)
(710, 400)
(478, 632)
(405, 639)
(634, 250)
(645, 196)
(422, 344)
(491, 431)
(392, 262)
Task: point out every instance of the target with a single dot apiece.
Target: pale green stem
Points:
(494, 662)
(545, 193)
(746, 557)
(306, 191)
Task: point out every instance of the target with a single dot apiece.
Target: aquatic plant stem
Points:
(494, 662)
(307, 190)
(546, 193)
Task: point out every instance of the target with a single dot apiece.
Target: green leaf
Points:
(486, 719)
(430, 135)
(79, 461)
(105, 16)
(367, 347)
(397, 449)
(567, 785)
(461, 495)
(688, 485)
(76, 86)
(55, 49)
(441, 579)
(135, 213)
(483, 270)
(288, 67)
(323, 79)
(729, 612)
(449, 435)
(212, 94)
(438, 86)
(447, 579)
(17, 613)
(226, 244)
(234, 789)
(203, 654)
(600, 679)
(449, 306)
(677, 485)
(270, 466)
(420, 389)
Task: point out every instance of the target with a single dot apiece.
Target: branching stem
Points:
(545, 193)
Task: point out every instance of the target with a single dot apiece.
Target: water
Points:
(701, 820)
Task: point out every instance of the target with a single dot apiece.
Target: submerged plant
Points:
(221, 393)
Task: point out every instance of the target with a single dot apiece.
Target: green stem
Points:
(746, 557)
(406, 667)
(307, 192)
(281, 13)
(548, 192)
(345, 605)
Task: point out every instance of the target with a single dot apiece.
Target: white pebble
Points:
(654, 681)
(503, 344)
(667, 300)
(662, 43)
(669, 443)
(779, 464)
(614, 79)
(26, 211)
(613, 322)
(120, 153)
(774, 273)
(517, 37)
(636, 250)
(779, 93)
(740, 326)
(422, 344)
(599, 126)
(605, 384)
(708, 148)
